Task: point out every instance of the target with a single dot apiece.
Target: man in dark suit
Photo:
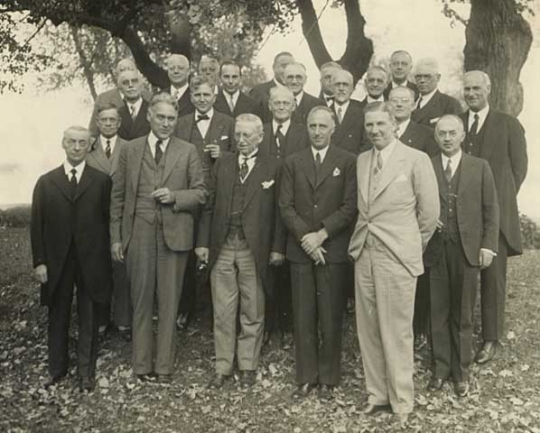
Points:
(295, 79)
(499, 139)
(349, 133)
(134, 110)
(70, 247)
(103, 155)
(409, 132)
(375, 84)
(282, 138)
(178, 73)
(209, 69)
(113, 96)
(158, 186)
(230, 100)
(261, 92)
(240, 234)
(318, 205)
(431, 104)
(400, 68)
(465, 242)
(212, 133)
(327, 71)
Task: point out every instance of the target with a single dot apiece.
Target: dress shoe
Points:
(164, 379)
(86, 383)
(182, 321)
(325, 392)
(403, 419)
(372, 409)
(217, 381)
(303, 390)
(461, 389)
(147, 378)
(487, 353)
(247, 378)
(286, 340)
(435, 384)
(266, 338)
(53, 380)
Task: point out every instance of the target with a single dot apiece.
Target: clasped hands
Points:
(164, 196)
(312, 244)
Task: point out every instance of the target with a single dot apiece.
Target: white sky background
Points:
(32, 123)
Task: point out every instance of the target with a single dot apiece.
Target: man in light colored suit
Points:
(240, 235)
(158, 185)
(103, 156)
(398, 204)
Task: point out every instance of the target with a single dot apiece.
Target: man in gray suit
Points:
(103, 156)
(158, 186)
(398, 206)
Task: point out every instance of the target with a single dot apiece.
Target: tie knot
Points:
(159, 143)
(476, 117)
(73, 172)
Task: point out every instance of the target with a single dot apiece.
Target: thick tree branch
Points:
(86, 64)
(312, 32)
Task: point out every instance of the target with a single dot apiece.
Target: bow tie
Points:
(202, 117)
(329, 98)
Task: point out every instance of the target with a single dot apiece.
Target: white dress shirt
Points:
(455, 160)
(203, 125)
(385, 153)
(111, 140)
(343, 107)
(249, 160)
(370, 99)
(79, 169)
(402, 127)
(234, 97)
(178, 92)
(134, 107)
(321, 152)
(425, 99)
(284, 126)
(482, 114)
(298, 98)
(152, 141)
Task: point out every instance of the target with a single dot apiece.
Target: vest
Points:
(150, 179)
(196, 138)
(237, 206)
(450, 229)
(474, 147)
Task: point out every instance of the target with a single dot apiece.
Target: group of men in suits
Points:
(294, 203)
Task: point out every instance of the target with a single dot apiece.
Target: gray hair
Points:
(163, 98)
(250, 118)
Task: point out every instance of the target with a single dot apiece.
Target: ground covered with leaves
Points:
(505, 394)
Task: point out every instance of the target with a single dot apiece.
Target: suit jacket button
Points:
(315, 206)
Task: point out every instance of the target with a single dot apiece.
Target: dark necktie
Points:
(329, 101)
(318, 161)
(448, 171)
(202, 117)
(339, 114)
(132, 111)
(280, 138)
(419, 105)
(244, 169)
(108, 149)
(159, 151)
(73, 182)
(474, 127)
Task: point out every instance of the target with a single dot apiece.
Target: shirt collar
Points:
(234, 95)
(249, 157)
(298, 98)
(482, 114)
(136, 104)
(403, 126)
(386, 152)
(455, 160)
(209, 113)
(343, 106)
(104, 139)
(426, 98)
(179, 91)
(284, 126)
(80, 168)
(152, 140)
(321, 151)
(404, 84)
(371, 99)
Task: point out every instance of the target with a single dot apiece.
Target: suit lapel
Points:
(391, 169)
(86, 180)
(99, 156)
(364, 164)
(344, 126)
(309, 166)
(116, 155)
(491, 131)
(464, 174)
(231, 171)
(138, 153)
(171, 156)
(327, 166)
(441, 179)
(61, 181)
(254, 179)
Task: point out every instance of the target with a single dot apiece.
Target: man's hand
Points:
(202, 254)
(276, 259)
(485, 258)
(116, 252)
(312, 241)
(214, 150)
(163, 196)
(40, 274)
(440, 225)
(318, 256)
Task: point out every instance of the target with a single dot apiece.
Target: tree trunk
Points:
(86, 64)
(498, 40)
(181, 36)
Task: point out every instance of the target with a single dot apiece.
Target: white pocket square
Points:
(401, 178)
(336, 172)
(434, 120)
(267, 184)
(224, 137)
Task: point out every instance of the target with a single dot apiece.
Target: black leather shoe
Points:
(303, 390)
(53, 380)
(325, 392)
(435, 384)
(164, 379)
(461, 389)
(86, 383)
(217, 381)
(487, 353)
(372, 409)
(247, 378)
(147, 378)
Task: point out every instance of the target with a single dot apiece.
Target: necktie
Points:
(159, 152)
(132, 111)
(420, 102)
(280, 138)
(73, 182)
(448, 171)
(474, 127)
(202, 117)
(379, 165)
(318, 161)
(230, 101)
(244, 169)
(340, 114)
(108, 149)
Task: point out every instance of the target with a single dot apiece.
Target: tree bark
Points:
(180, 36)
(498, 40)
(85, 63)
(359, 48)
